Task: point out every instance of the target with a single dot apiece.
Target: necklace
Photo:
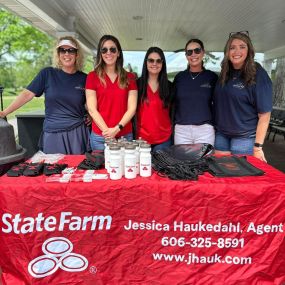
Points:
(194, 77)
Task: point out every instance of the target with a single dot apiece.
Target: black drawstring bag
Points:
(232, 166)
(182, 162)
(189, 152)
(94, 160)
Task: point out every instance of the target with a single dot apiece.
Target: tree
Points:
(20, 40)
(22, 47)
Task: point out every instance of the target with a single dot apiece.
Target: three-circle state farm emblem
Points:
(57, 254)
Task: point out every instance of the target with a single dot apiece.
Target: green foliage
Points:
(171, 75)
(20, 40)
(35, 104)
(89, 64)
(23, 51)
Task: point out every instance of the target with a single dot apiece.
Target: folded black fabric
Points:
(17, 170)
(88, 164)
(93, 160)
(232, 166)
(33, 169)
(50, 169)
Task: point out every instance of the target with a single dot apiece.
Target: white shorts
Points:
(190, 134)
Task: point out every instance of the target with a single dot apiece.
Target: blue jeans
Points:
(155, 147)
(242, 145)
(97, 142)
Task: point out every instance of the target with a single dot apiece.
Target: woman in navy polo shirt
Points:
(154, 90)
(242, 100)
(111, 94)
(64, 128)
(193, 98)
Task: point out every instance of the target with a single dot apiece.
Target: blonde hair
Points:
(100, 65)
(79, 55)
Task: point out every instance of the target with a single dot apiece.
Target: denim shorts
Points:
(97, 142)
(161, 146)
(237, 145)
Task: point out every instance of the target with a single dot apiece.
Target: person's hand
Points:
(2, 114)
(258, 153)
(88, 120)
(110, 133)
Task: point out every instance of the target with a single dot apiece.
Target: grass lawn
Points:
(34, 104)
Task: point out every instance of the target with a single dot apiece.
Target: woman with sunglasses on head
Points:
(111, 94)
(154, 90)
(64, 129)
(242, 100)
(194, 89)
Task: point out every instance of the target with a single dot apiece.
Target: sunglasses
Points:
(67, 50)
(111, 49)
(246, 33)
(189, 52)
(152, 60)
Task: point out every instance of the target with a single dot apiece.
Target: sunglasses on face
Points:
(246, 33)
(67, 50)
(152, 60)
(111, 49)
(189, 52)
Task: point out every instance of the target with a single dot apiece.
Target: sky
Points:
(176, 61)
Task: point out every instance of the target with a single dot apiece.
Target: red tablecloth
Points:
(144, 231)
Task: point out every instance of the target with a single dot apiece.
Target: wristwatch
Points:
(258, 145)
(120, 126)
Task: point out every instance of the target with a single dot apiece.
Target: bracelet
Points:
(120, 126)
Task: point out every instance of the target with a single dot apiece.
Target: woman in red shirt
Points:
(111, 94)
(154, 91)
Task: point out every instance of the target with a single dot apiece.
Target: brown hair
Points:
(79, 56)
(248, 70)
(100, 64)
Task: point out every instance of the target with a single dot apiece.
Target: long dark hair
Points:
(164, 84)
(200, 43)
(100, 64)
(248, 70)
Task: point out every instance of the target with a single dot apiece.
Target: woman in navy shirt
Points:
(242, 100)
(64, 129)
(193, 98)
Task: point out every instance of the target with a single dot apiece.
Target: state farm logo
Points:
(19, 224)
(57, 254)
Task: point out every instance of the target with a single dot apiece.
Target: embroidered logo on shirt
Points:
(206, 85)
(80, 88)
(238, 85)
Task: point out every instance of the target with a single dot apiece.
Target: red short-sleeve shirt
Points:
(112, 101)
(153, 123)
